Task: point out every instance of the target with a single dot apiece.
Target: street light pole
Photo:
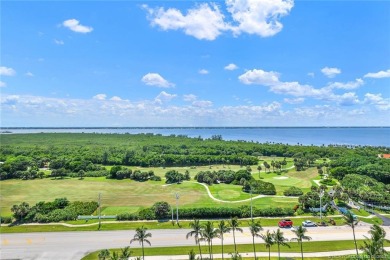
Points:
(177, 207)
(100, 212)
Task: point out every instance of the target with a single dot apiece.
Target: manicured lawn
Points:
(265, 222)
(322, 246)
(119, 195)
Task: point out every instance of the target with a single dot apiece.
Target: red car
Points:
(285, 223)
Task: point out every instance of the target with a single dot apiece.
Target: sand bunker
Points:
(281, 178)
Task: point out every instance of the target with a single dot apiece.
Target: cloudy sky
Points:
(185, 63)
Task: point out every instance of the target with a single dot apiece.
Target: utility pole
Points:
(177, 207)
(100, 211)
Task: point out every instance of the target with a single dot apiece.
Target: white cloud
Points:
(116, 98)
(294, 100)
(29, 74)
(207, 22)
(377, 100)
(24, 110)
(258, 17)
(204, 22)
(2, 84)
(349, 85)
(5, 71)
(377, 75)
(164, 97)
(330, 72)
(311, 74)
(154, 79)
(259, 77)
(202, 103)
(100, 97)
(203, 72)
(231, 66)
(75, 26)
(189, 98)
(59, 42)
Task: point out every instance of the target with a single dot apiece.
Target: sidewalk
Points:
(264, 255)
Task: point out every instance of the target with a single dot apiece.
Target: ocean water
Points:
(373, 136)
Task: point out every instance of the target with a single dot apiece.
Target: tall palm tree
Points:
(141, 236)
(255, 228)
(300, 233)
(197, 233)
(222, 229)
(350, 221)
(208, 233)
(268, 241)
(234, 224)
(280, 240)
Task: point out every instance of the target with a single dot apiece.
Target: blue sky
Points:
(185, 63)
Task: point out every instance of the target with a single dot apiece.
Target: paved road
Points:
(74, 245)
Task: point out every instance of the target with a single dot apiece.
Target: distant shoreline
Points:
(191, 127)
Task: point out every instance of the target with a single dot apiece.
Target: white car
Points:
(308, 223)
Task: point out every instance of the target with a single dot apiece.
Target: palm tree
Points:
(374, 246)
(197, 233)
(300, 233)
(141, 236)
(233, 222)
(259, 169)
(208, 233)
(269, 241)
(103, 254)
(280, 240)
(255, 228)
(125, 253)
(222, 229)
(350, 221)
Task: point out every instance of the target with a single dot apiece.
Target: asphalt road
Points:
(74, 245)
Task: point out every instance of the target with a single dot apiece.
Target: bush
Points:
(161, 209)
(147, 214)
(328, 182)
(293, 191)
(127, 216)
(155, 178)
(6, 220)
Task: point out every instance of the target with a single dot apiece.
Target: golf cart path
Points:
(238, 201)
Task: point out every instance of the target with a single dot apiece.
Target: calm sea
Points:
(374, 136)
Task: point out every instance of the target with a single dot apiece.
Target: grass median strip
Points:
(92, 225)
(308, 247)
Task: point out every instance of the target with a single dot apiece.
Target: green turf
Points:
(322, 246)
(265, 222)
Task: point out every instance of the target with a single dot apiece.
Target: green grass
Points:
(322, 246)
(265, 222)
(119, 195)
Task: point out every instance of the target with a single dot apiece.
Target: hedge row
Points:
(209, 213)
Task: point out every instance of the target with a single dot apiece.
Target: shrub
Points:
(127, 216)
(6, 220)
(155, 178)
(161, 209)
(293, 191)
(147, 214)
(328, 182)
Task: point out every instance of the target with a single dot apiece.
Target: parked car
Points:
(308, 223)
(285, 223)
